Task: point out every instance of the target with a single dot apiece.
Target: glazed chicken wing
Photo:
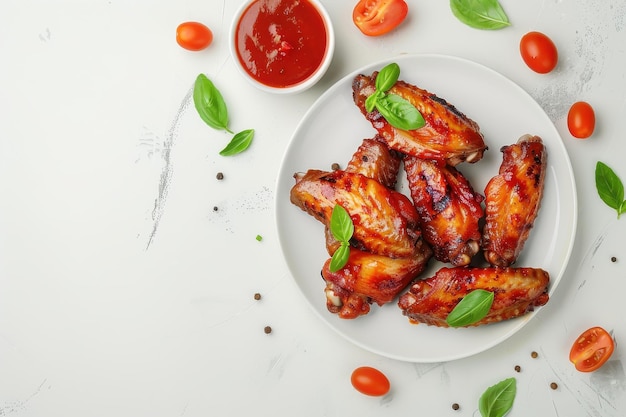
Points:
(449, 210)
(448, 136)
(375, 160)
(517, 291)
(368, 278)
(512, 200)
(385, 221)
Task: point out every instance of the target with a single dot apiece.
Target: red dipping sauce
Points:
(281, 43)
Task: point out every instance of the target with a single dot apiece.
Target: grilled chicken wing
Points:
(368, 278)
(448, 136)
(385, 221)
(449, 210)
(517, 291)
(375, 160)
(512, 200)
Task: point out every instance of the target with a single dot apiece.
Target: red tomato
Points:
(377, 17)
(193, 36)
(538, 52)
(581, 120)
(370, 381)
(592, 349)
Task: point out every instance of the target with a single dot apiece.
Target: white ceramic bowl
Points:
(293, 88)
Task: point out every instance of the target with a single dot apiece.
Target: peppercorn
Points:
(267, 330)
(613, 259)
(518, 368)
(335, 166)
(215, 208)
(554, 385)
(534, 355)
(257, 296)
(219, 176)
(455, 406)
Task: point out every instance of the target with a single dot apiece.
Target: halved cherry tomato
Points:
(538, 52)
(370, 381)
(377, 17)
(581, 120)
(193, 36)
(592, 349)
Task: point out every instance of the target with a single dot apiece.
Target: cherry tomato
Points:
(370, 381)
(377, 17)
(581, 120)
(592, 349)
(538, 52)
(193, 36)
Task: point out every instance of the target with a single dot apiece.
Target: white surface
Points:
(332, 131)
(122, 293)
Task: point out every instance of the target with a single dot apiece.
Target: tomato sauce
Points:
(281, 43)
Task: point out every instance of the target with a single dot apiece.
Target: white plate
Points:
(332, 130)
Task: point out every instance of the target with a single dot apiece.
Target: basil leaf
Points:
(370, 102)
(610, 188)
(210, 104)
(498, 399)
(342, 228)
(480, 14)
(239, 143)
(399, 112)
(472, 308)
(387, 77)
(340, 257)
(341, 224)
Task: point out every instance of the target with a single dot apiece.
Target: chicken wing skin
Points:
(448, 136)
(516, 292)
(512, 200)
(448, 207)
(385, 221)
(375, 160)
(374, 278)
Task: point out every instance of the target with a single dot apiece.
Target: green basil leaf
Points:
(210, 104)
(480, 14)
(370, 102)
(387, 77)
(239, 143)
(610, 187)
(340, 257)
(498, 399)
(341, 225)
(399, 112)
(622, 209)
(472, 308)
